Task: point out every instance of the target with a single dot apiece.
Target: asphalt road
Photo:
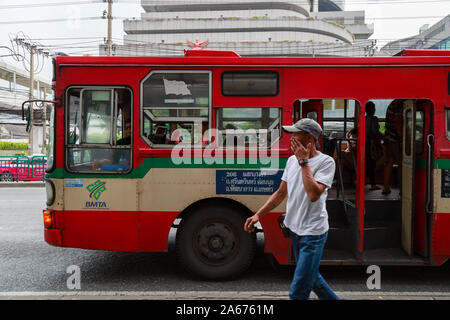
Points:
(28, 264)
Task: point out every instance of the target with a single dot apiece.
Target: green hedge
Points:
(4, 145)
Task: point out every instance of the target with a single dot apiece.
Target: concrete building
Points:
(250, 28)
(436, 37)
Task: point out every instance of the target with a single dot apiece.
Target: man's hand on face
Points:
(299, 150)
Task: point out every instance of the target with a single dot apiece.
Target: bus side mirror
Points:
(28, 118)
(26, 115)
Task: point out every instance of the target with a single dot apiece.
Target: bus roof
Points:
(198, 58)
(423, 53)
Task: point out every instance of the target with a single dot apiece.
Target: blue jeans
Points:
(308, 253)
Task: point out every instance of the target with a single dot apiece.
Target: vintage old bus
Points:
(117, 178)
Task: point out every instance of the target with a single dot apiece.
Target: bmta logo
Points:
(96, 189)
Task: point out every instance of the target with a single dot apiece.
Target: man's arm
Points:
(313, 188)
(274, 201)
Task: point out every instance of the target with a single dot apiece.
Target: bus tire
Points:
(6, 177)
(211, 243)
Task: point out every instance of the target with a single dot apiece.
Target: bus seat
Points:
(159, 137)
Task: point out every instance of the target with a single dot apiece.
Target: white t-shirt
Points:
(304, 217)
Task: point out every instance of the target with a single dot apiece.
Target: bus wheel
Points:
(7, 177)
(212, 244)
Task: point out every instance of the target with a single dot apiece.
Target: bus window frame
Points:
(67, 146)
(193, 120)
(53, 166)
(447, 123)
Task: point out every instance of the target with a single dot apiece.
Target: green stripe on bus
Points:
(437, 164)
(441, 163)
(165, 163)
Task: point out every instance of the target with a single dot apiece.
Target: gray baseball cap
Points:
(307, 125)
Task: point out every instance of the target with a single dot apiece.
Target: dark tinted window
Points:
(250, 83)
(420, 126)
(408, 131)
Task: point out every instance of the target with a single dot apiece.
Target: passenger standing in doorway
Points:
(392, 141)
(373, 139)
(306, 179)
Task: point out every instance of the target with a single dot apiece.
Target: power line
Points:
(48, 20)
(275, 19)
(42, 5)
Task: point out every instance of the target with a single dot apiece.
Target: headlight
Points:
(50, 189)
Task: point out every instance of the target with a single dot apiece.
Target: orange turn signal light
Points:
(48, 219)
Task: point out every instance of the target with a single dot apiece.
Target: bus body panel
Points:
(441, 236)
(140, 215)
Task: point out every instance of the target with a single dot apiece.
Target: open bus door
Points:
(408, 174)
(424, 141)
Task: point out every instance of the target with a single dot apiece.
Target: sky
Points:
(393, 19)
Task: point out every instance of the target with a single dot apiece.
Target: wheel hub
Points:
(216, 241)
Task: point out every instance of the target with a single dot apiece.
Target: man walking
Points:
(306, 178)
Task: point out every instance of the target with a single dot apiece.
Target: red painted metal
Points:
(112, 230)
(210, 53)
(274, 241)
(441, 236)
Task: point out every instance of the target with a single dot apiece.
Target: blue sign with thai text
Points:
(256, 182)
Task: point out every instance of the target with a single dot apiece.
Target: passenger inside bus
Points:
(373, 144)
(126, 137)
(392, 142)
(349, 155)
(340, 116)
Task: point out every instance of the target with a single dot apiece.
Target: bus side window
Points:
(99, 130)
(247, 126)
(175, 107)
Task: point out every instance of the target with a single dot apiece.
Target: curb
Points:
(22, 184)
(212, 295)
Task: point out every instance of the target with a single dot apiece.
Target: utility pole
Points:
(33, 49)
(109, 16)
(44, 122)
(31, 96)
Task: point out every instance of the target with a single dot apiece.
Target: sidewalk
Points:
(213, 295)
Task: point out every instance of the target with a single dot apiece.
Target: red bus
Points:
(117, 178)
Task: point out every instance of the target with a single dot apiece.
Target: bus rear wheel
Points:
(211, 243)
(6, 176)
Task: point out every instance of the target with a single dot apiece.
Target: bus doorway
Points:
(396, 225)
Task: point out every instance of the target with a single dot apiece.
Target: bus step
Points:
(382, 235)
(336, 212)
(383, 211)
(339, 238)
